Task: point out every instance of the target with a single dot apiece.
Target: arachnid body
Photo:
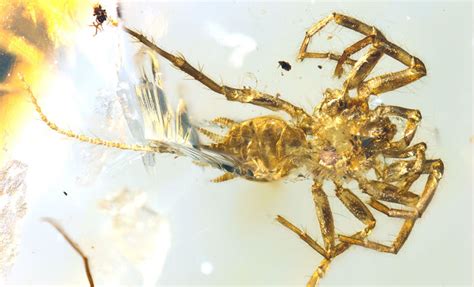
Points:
(341, 141)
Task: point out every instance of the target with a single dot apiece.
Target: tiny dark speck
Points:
(284, 65)
(320, 67)
(119, 11)
(65, 193)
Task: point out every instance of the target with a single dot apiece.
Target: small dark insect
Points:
(100, 17)
(284, 65)
(65, 193)
(320, 67)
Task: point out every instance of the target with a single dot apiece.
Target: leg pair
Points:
(405, 172)
(362, 67)
(410, 171)
(243, 95)
(434, 169)
(395, 180)
(326, 224)
(412, 118)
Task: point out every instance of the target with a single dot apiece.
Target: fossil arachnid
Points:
(341, 141)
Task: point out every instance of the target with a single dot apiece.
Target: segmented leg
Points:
(392, 212)
(303, 53)
(326, 223)
(324, 264)
(325, 55)
(435, 170)
(338, 249)
(357, 208)
(413, 118)
(356, 47)
(213, 136)
(319, 272)
(245, 95)
(225, 177)
(323, 212)
(364, 66)
(303, 235)
(224, 122)
(392, 81)
(406, 172)
(361, 70)
(393, 248)
(98, 27)
(361, 212)
(380, 190)
(411, 151)
(413, 169)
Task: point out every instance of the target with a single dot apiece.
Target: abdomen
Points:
(265, 145)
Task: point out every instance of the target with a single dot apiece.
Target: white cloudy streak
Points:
(241, 44)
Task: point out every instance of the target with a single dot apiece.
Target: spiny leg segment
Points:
(225, 177)
(412, 117)
(324, 214)
(224, 122)
(357, 208)
(211, 135)
(217, 138)
(406, 172)
(331, 250)
(362, 68)
(245, 95)
(326, 224)
(434, 169)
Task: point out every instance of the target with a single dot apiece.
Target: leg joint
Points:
(418, 66)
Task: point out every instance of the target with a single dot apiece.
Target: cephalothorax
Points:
(342, 140)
